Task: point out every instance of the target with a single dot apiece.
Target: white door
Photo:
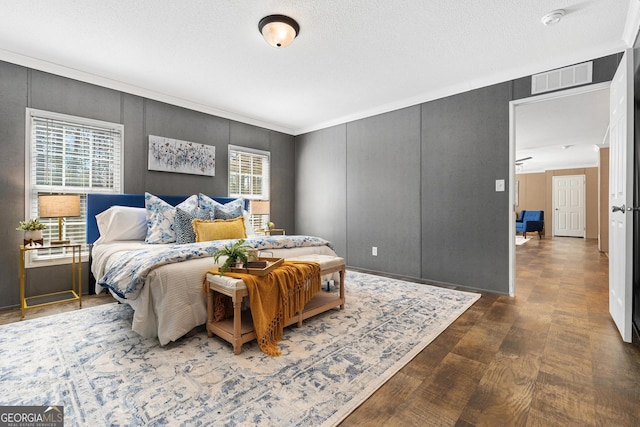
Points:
(620, 196)
(569, 206)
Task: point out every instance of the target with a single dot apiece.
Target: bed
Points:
(133, 255)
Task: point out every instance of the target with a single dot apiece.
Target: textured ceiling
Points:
(352, 58)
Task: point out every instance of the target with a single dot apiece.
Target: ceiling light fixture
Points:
(278, 30)
(553, 17)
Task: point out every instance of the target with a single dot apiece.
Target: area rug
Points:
(105, 374)
(522, 240)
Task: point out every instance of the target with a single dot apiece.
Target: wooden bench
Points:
(239, 329)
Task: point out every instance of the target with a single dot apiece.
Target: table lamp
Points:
(59, 206)
(259, 207)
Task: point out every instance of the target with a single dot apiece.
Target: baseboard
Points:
(423, 281)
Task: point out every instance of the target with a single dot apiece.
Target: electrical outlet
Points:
(374, 250)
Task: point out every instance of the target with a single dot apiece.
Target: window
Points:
(69, 155)
(249, 178)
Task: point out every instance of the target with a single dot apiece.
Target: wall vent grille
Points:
(562, 78)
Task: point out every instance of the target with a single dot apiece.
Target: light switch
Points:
(499, 184)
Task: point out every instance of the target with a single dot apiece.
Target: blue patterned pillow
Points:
(231, 210)
(183, 226)
(161, 215)
(207, 203)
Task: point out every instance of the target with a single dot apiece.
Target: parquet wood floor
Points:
(551, 356)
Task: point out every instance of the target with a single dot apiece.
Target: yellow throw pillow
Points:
(219, 229)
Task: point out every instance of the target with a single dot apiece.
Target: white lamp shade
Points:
(259, 207)
(59, 205)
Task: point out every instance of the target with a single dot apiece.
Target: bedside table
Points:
(73, 294)
(275, 231)
(272, 232)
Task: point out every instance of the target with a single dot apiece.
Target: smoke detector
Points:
(553, 17)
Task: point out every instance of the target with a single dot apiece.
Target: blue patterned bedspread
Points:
(127, 275)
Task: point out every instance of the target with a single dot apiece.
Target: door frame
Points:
(512, 158)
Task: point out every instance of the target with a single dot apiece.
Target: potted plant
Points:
(32, 229)
(237, 255)
(270, 225)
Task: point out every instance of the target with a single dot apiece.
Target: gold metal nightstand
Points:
(73, 294)
(270, 232)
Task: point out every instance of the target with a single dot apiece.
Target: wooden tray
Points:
(272, 263)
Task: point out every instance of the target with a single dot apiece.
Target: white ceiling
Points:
(351, 59)
(562, 133)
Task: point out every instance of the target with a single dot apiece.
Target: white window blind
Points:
(249, 177)
(70, 155)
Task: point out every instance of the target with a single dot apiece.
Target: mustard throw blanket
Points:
(275, 298)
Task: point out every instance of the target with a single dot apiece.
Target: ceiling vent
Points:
(562, 78)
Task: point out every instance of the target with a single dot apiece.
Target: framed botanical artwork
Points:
(174, 155)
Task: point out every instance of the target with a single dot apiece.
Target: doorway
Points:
(567, 140)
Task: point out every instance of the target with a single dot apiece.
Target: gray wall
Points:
(21, 87)
(465, 148)
(320, 185)
(383, 192)
(406, 181)
(419, 183)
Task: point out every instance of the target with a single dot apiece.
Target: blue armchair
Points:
(530, 221)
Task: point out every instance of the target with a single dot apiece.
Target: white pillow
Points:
(247, 224)
(121, 223)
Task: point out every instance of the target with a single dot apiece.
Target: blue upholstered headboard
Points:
(97, 203)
